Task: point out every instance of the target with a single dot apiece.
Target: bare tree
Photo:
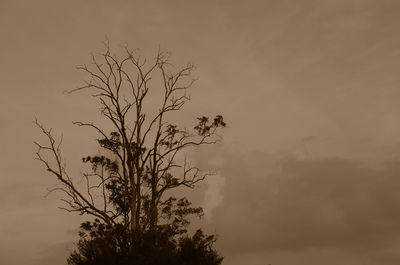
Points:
(144, 153)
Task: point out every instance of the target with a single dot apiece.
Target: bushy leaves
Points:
(198, 250)
(175, 213)
(112, 143)
(167, 244)
(119, 195)
(96, 161)
(109, 245)
(205, 127)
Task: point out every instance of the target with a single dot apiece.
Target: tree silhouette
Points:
(129, 188)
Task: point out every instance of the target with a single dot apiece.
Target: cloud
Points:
(288, 204)
(212, 195)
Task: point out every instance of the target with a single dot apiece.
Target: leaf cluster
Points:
(108, 245)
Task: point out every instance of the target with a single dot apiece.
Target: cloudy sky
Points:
(309, 170)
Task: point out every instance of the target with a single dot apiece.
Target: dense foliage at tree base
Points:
(111, 245)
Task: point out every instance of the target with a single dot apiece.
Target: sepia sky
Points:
(309, 169)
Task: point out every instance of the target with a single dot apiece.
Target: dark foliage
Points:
(109, 245)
